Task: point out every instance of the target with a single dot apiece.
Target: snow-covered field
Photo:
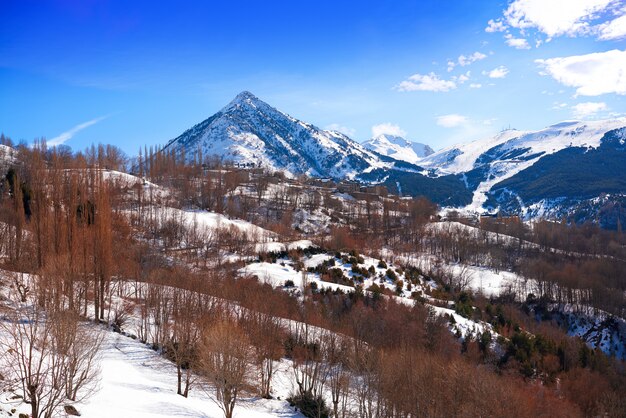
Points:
(137, 382)
(207, 221)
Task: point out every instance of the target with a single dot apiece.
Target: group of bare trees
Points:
(58, 225)
(51, 357)
(209, 338)
(62, 227)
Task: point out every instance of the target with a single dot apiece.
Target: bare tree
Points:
(182, 342)
(336, 355)
(30, 358)
(225, 351)
(266, 333)
(80, 348)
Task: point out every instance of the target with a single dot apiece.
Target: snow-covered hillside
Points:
(464, 157)
(248, 131)
(398, 148)
(138, 382)
(485, 163)
(8, 155)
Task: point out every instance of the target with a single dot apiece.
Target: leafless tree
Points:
(181, 344)
(51, 360)
(80, 348)
(225, 353)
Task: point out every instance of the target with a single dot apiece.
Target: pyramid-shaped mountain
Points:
(249, 131)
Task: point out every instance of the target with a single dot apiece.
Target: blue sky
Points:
(141, 72)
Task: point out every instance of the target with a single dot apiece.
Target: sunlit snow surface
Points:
(137, 382)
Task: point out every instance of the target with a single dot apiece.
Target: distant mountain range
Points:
(571, 168)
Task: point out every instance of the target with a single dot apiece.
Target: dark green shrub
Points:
(309, 406)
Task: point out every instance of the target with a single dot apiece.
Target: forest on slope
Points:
(90, 236)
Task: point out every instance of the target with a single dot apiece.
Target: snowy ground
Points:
(597, 327)
(283, 270)
(205, 221)
(137, 382)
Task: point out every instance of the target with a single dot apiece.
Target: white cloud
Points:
(467, 129)
(340, 128)
(615, 29)
(587, 109)
(465, 60)
(499, 72)
(518, 43)
(476, 56)
(592, 74)
(452, 120)
(461, 78)
(559, 105)
(555, 17)
(427, 82)
(387, 129)
(495, 26)
(67, 135)
(605, 19)
(475, 85)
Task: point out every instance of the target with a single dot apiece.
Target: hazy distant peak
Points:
(398, 148)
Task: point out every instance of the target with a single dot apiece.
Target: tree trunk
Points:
(179, 377)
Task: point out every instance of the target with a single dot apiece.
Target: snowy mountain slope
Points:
(462, 157)
(584, 181)
(398, 148)
(508, 145)
(250, 131)
(486, 163)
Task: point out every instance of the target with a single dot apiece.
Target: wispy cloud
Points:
(464, 60)
(461, 128)
(451, 121)
(499, 72)
(588, 109)
(426, 82)
(518, 43)
(387, 129)
(476, 56)
(67, 135)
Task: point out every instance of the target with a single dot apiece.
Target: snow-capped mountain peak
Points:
(251, 132)
(398, 148)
